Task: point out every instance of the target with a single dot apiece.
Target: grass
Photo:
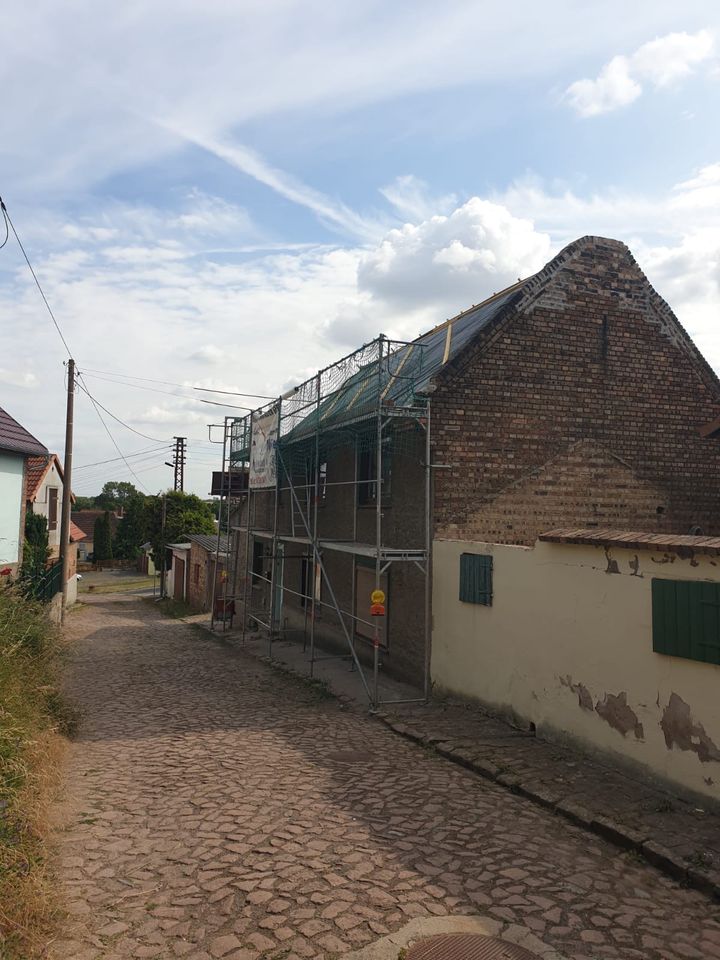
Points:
(123, 586)
(32, 719)
(177, 609)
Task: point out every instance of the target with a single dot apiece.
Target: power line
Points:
(83, 386)
(167, 393)
(8, 219)
(184, 386)
(138, 453)
(112, 438)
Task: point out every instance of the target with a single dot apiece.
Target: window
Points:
(367, 473)
(52, 508)
(196, 573)
(306, 568)
(686, 619)
(476, 578)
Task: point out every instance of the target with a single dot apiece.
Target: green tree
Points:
(36, 549)
(115, 494)
(133, 529)
(84, 503)
(102, 538)
(184, 514)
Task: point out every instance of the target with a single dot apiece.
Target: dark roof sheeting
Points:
(16, 439)
(209, 541)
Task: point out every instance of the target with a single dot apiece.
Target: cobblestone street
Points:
(218, 808)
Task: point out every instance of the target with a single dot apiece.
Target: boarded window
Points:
(476, 578)
(686, 619)
(52, 508)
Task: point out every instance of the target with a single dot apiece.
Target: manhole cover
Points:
(349, 756)
(467, 946)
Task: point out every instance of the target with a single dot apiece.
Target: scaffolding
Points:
(368, 404)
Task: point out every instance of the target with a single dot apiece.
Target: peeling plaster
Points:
(612, 565)
(584, 696)
(615, 711)
(680, 731)
(635, 566)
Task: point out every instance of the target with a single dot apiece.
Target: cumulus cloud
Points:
(660, 62)
(460, 259)
(209, 353)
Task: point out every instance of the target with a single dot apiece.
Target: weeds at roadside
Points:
(33, 718)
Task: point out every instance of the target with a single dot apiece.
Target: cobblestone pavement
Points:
(218, 808)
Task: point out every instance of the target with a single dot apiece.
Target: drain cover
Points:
(467, 946)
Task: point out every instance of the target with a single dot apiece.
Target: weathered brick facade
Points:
(589, 351)
(577, 404)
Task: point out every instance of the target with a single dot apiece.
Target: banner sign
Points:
(263, 452)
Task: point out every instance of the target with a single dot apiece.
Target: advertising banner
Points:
(263, 452)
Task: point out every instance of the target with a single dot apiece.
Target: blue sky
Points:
(232, 194)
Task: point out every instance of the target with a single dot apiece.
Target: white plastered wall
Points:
(559, 620)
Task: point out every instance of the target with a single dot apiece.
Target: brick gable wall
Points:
(592, 354)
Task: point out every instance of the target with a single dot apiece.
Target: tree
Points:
(102, 538)
(36, 549)
(115, 494)
(133, 529)
(184, 514)
(84, 503)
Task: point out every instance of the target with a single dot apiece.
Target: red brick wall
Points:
(201, 566)
(595, 354)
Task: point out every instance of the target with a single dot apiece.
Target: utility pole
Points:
(67, 482)
(178, 464)
(163, 547)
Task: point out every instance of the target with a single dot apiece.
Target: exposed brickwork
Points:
(583, 486)
(199, 577)
(592, 354)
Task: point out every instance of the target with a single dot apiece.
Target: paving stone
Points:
(206, 821)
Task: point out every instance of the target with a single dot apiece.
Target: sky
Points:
(229, 195)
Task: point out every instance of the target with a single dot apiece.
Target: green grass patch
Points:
(174, 608)
(32, 717)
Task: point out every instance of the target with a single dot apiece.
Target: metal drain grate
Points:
(467, 946)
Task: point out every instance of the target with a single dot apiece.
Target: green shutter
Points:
(686, 619)
(476, 578)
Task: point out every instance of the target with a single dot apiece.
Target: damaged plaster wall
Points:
(567, 645)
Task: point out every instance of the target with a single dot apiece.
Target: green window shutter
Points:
(476, 578)
(686, 619)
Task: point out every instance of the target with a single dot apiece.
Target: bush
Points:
(31, 716)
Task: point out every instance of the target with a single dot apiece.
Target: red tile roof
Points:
(15, 438)
(629, 540)
(85, 520)
(35, 470)
(76, 533)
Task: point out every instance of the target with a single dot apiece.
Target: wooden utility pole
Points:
(67, 482)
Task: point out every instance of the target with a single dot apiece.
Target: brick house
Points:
(573, 398)
(202, 562)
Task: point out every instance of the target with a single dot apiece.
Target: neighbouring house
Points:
(573, 399)
(177, 557)
(44, 495)
(206, 554)
(17, 446)
(85, 520)
(610, 638)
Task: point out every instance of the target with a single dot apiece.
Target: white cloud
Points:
(18, 378)
(411, 198)
(661, 62)
(462, 258)
(209, 353)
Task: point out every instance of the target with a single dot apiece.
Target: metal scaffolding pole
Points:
(428, 555)
(378, 522)
(316, 459)
(217, 547)
(247, 582)
(273, 559)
